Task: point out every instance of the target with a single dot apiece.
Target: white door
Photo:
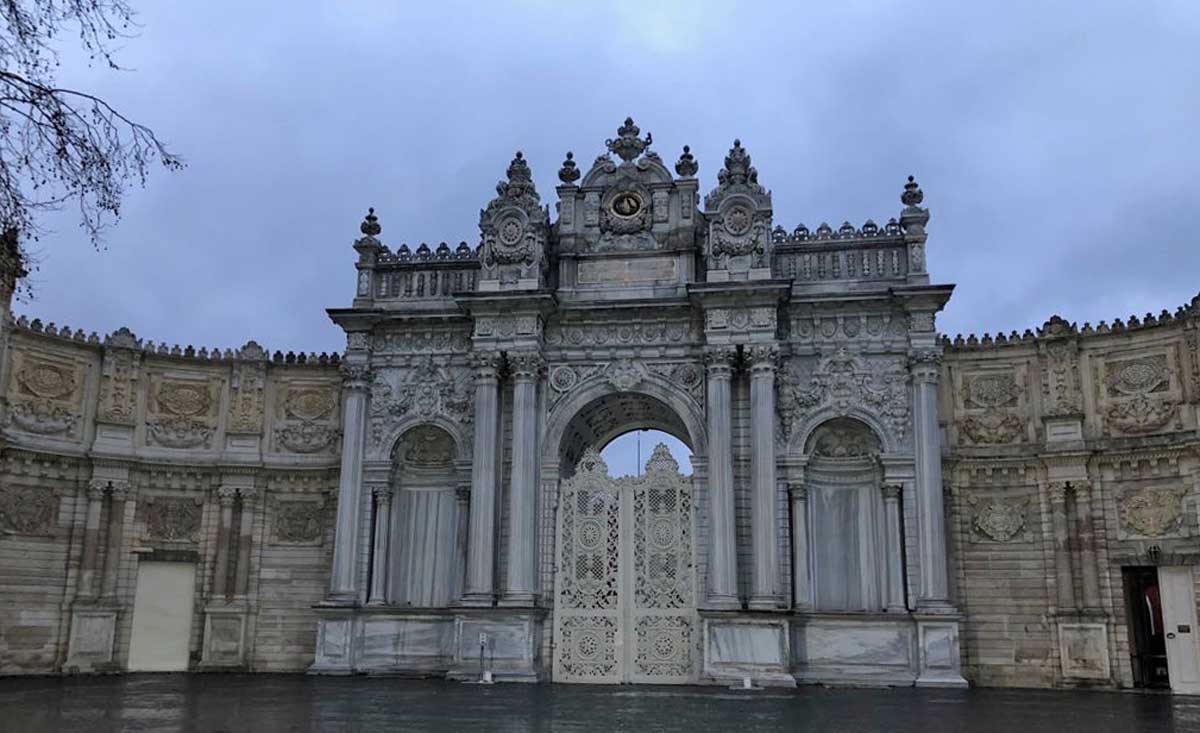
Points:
(625, 596)
(1178, 593)
(162, 617)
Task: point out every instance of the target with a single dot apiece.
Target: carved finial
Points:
(518, 169)
(569, 173)
(686, 166)
(627, 144)
(737, 168)
(912, 196)
(370, 225)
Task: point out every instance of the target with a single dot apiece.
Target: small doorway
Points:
(1147, 642)
(162, 617)
(1161, 605)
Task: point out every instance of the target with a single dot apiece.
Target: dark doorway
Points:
(1147, 646)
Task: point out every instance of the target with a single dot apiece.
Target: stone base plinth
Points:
(90, 646)
(430, 642)
(741, 645)
(225, 635)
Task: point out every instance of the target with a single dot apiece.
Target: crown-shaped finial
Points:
(627, 144)
(686, 166)
(518, 169)
(370, 225)
(569, 173)
(912, 196)
(737, 167)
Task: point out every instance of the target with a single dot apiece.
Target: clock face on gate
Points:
(626, 205)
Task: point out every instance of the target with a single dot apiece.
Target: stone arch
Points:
(802, 435)
(683, 418)
(396, 432)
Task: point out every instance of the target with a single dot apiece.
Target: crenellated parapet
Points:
(127, 398)
(1134, 379)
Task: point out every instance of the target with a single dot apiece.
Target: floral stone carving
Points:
(27, 510)
(1152, 512)
(171, 519)
(993, 428)
(299, 522)
(184, 414)
(997, 520)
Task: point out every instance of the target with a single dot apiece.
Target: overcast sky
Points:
(1055, 142)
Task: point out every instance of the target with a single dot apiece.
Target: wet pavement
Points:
(262, 703)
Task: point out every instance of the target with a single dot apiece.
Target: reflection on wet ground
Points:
(298, 703)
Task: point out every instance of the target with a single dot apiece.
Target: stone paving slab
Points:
(262, 703)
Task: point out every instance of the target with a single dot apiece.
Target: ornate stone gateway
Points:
(625, 607)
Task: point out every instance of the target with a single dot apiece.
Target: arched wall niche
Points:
(427, 557)
(843, 478)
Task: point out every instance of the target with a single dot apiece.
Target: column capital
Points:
(119, 490)
(356, 377)
(720, 360)
(892, 492)
(798, 492)
(1081, 489)
(247, 494)
(525, 366)
(226, 495)
(463, 494)
(762, 358)
(1057, 491)
(382, 493)
(487, 365)
(96, 488)
(925, 364)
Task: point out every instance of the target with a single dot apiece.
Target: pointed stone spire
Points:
(686, 166)
(737, 168)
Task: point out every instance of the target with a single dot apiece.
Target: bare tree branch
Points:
(60, 145)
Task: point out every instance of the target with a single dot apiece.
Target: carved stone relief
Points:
(118, 386)
(171, 519)
(846, 327)
(844, 381)
(298, 522)
(1138, 395)
(1060, 376)
(308, 418)
(428, 388)
(997, 520)
(246, 399)
(45, 396)
(1152, 512)
(182, 413)
(27, 510)
(624, 333)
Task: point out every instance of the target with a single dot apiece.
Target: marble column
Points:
(801, 582)
(1088, 568)
(343, 583)
(479, 589)
(521, 580)
(91, 538)
(893, 549)
(722, 568)
(1064, 582)
(462, 504)
(116, 536)
(245, 537)
(382, 546)
(934, 594)
(764, 532)
(220, 584)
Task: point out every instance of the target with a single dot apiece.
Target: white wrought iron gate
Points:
(624, 607)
